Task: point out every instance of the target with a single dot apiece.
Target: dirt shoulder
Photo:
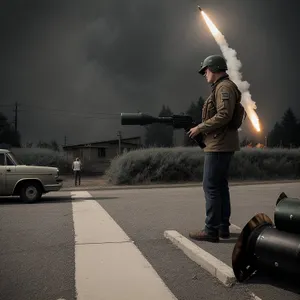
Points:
(101, 183)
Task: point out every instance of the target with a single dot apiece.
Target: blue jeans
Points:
(216, 190)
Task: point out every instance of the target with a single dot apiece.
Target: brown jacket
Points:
(216, 114)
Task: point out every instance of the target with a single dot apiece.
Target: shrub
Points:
(186, 164)
(43, 157)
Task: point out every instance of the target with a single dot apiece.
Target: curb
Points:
(211, 264)
(133, 187)
(172, 185)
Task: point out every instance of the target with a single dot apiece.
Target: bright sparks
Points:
(234, 66)
(212, 27)
(251, 114)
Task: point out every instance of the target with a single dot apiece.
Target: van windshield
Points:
(14, 159)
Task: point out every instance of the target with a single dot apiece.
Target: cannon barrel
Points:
(267, 247)
(143, 119)
(287, 214)
(176, 121)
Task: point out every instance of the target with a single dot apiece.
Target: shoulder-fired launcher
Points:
(176, 121)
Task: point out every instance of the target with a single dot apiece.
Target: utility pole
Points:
(266, 141)
(174, 138)
(66, 152)
(16, 116)
(120, 141)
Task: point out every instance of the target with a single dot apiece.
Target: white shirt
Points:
(76, 165)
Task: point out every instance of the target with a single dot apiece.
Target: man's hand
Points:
(193, 131)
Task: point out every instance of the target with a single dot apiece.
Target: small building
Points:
(96, 156)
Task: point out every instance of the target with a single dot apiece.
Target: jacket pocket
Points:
(211, 109)
(220, 134)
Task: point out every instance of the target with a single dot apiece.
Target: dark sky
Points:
(73, 65)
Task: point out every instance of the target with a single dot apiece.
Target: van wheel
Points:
(30, 192)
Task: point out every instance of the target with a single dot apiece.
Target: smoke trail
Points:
(234, 65)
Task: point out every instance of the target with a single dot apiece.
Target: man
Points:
(220, 134)
(76, 166)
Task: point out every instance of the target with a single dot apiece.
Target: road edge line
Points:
(210, 263)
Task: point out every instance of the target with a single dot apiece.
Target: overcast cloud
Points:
(88, 61)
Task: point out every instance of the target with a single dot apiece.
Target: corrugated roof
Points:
(103, 142)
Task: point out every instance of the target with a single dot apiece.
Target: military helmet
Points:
(215, 63)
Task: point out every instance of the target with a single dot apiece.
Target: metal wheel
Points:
(30, 192)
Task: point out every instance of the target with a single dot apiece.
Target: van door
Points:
(2, 173)
(11, 176)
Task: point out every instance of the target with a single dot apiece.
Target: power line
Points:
(55, 110)
(73, 114)
(6, 105)
(58, 113)
(68, 111)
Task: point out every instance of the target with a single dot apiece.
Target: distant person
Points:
(222, 115)
(77, 168)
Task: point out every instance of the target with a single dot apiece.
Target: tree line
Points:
(10, 137)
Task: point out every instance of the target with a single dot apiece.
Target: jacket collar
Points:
(213, 85)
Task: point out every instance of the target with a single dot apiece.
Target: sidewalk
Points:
(101, 183)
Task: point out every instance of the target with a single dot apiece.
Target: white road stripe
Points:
(254, 297)
(81, 194)
(107, 263)
(235, 228)
(93, 225)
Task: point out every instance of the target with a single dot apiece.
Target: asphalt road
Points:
(146, 214)
(37, 249)
(37, 241)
